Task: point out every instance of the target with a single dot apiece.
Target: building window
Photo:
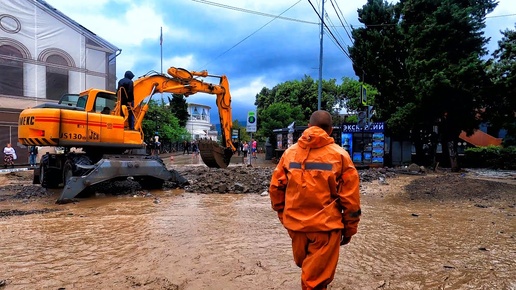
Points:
(57, 77)
(11, 66)
(196, 115)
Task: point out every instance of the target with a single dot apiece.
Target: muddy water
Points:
(190, 241)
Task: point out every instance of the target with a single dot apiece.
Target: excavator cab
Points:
(72, 100)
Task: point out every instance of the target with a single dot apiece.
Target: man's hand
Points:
(344, 240)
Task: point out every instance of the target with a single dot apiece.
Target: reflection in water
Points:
(229, 241)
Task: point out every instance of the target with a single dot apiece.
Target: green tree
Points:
(425, 58)
(379, 56)
(349, 95)
(500, 107)
(446, 46)
(279, 115)
(160, 119)
(179, 108)
(303, 93)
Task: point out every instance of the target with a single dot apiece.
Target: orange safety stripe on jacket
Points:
(315, 186)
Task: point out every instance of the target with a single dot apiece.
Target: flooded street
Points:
(178, 240)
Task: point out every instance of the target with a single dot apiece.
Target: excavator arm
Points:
(181, 81)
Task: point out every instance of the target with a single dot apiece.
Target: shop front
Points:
(366, 146)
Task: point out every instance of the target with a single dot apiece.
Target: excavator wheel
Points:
(48, 177)
(70, 167)
(214, 155)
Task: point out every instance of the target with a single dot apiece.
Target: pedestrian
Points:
(246, 149)
(151, 146)
(33, 154)
(126, 91)
(195, 150)
(9, 156)
(315, 192)
(157, 146)
(254, 146)
(185, 147)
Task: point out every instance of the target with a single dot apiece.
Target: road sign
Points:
(235, 133)
(251, 121)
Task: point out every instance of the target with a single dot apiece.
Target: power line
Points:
(343, 18)
(245, 38)
(253, 11)
(498, 16)
(347, 25)
(329, 31)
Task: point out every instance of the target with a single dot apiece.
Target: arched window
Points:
(57, 77)
(11, 68)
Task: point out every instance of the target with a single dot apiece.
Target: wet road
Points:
(196, 241)
(192, 241)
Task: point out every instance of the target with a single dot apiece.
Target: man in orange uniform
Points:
(315, 191)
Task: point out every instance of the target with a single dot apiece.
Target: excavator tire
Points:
(214, 155)
(48, 177)
(70, 167)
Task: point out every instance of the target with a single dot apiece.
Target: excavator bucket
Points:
(214, 155)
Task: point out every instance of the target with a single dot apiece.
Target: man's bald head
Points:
(322, 119)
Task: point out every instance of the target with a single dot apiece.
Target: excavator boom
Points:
(181, 81)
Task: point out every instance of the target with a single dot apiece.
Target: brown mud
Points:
(432, 231)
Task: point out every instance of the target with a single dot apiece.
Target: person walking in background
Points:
(9, 156)
(245, 149)
(33, 154)
(195, 150)
(254, 147)
(126, 90)
(315, 191)
(186, 147)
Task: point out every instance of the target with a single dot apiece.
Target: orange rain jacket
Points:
(315, 186)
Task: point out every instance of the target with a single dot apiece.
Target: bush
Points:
(490, 157)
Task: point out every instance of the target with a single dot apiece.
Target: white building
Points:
(199, 124)
(43, 55)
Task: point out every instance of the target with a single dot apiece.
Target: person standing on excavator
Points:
(315, 191)
(126, 90)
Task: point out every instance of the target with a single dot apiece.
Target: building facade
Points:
(43, 55)
(199, 124)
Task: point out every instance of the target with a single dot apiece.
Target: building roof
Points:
(479, 138)
(87, 33)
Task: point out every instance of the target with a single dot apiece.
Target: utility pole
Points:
(319, 89)
(161, 47)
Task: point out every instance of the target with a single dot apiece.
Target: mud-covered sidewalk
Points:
(426, 231)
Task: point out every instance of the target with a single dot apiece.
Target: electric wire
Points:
(347, 25)
(338, 12)
(339, 45)
(338, 36)
(252, 11)
(253, 33)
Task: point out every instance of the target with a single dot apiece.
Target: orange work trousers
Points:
(317, 254)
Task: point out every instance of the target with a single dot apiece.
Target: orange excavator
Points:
(99, 146)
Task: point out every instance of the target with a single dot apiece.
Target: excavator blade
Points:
(214, 155)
